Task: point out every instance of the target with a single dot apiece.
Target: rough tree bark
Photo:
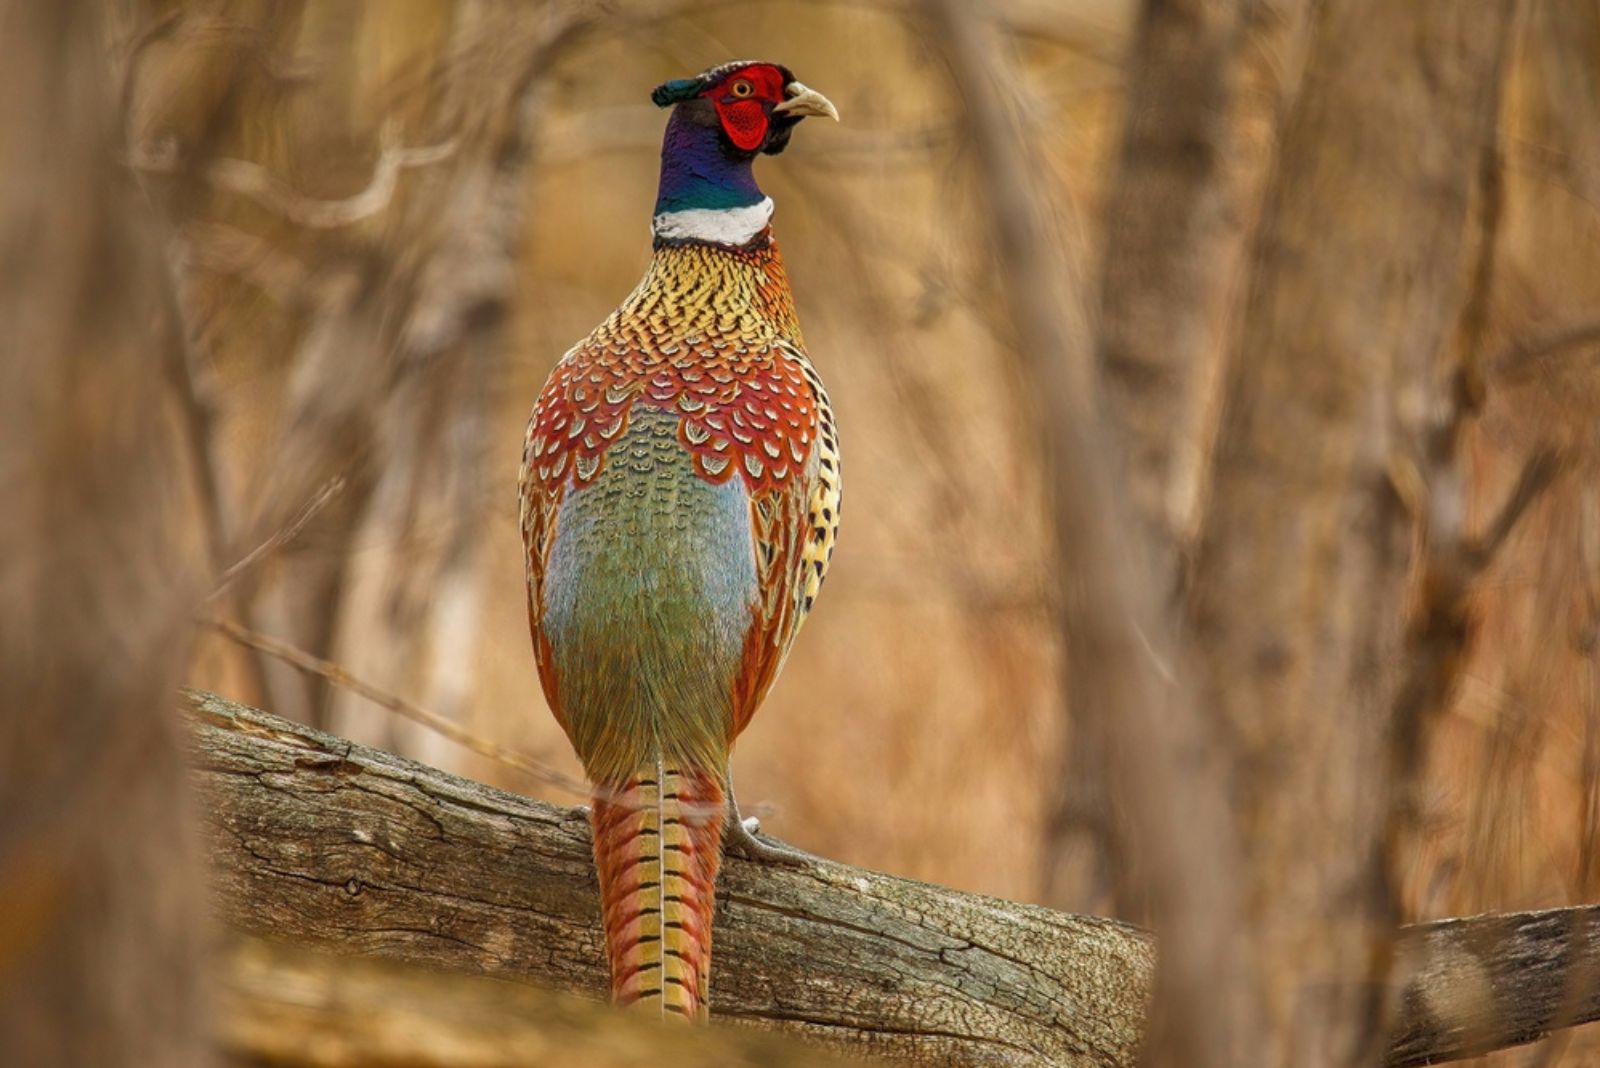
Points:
(318, 840)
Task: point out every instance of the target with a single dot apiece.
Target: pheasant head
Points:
(721, 121)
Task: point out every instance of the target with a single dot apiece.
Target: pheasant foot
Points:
(740, 837)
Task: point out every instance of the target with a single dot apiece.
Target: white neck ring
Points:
(719, 226)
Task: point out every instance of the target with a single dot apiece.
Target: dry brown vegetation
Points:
(1283, 315)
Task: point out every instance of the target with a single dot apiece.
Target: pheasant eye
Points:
(742, 88)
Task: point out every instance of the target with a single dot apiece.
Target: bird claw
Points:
(741, 839)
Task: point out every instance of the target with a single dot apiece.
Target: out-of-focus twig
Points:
(452, 297)
(281, 538)
(1537, 474)
(1525, 359)
(1434, 489)
(1450, 561)
(229, 251)
(189, 368)
(133, 51)
(338, 676)
(1437, 646)
(1586, 643)
(277, 196)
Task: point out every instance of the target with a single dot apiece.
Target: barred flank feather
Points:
(657, 846)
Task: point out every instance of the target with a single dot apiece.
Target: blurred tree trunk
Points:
(98, 931)
(1298, 596)
(1299, 582)
(1120, 682)
(1208, 83)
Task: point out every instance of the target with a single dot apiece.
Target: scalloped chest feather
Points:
(706, 350)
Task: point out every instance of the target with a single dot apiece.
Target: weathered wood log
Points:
(319, 840)
(1488, 982)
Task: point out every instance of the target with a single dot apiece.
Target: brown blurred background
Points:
(387, 223)
(915, 721)
(914, 725)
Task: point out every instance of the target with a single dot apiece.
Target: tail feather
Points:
(657, 847)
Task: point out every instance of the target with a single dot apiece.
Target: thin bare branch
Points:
(338, 676)
(1450, 561)
(1537, 474)
(282, 538)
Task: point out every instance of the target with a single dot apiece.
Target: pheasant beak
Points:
(804, 101)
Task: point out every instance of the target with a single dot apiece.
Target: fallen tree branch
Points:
(319, 840)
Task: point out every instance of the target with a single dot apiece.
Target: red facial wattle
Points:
(742, 99)
(744, 121)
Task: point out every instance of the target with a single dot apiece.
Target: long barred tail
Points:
(657, 847)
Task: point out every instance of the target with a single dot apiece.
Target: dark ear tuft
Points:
(778, 136)
(675, 92)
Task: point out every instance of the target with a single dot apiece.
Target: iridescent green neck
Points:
(700, 172)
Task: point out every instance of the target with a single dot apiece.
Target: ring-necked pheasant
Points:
(679, 502)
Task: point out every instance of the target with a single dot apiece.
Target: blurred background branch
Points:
(284, 1004)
